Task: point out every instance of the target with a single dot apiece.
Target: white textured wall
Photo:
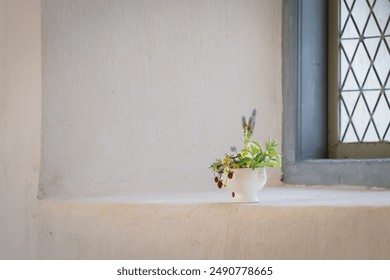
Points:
(20, 118)
(143, 95)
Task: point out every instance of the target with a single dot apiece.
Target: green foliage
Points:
(250, 156)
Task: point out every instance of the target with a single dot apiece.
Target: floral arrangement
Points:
(250, 156)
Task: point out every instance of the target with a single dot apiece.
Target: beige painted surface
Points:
(178, 230)
(183, 227)
(20, 116)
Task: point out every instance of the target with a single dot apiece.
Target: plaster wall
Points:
(143, 95)
(20, 126)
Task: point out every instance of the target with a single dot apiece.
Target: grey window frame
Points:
(305, 105)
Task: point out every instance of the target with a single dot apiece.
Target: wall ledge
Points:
(287, 195)
(289, 223)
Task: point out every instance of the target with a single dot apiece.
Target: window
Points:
(306, 158)
(359, 90)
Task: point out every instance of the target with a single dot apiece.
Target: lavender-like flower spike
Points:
(233, 149)
(251, 124)
(244, 125)
(254, 112)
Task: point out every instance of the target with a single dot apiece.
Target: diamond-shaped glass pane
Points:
(372, 81)
(382, 62)
(350, 82)
(350, 135)
(361, 63)
(371, 98)
(364, 108)
(371, 28)
(371, 135)
(349, 49)
(381, 116)
(372, 45)
(360, 118)
(360, 14)
(381, 11)
(350, 98)
(350, 30)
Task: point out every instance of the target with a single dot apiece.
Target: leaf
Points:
(243, 161)
(254, 150)
(257, 144)
(271, 144)
(257, 157)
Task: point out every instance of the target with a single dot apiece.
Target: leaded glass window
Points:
(364, 62)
